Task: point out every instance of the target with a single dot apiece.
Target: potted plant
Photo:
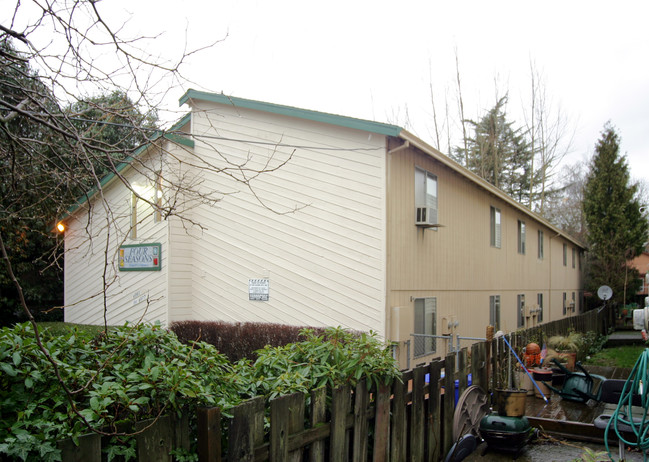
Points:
(566, 348)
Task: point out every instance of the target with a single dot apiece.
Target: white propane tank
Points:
(641, 319)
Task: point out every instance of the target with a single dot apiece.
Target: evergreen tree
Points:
(499, 153)
(616, 228)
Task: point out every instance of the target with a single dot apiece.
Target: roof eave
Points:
(332, 119)
(481, 182)
(172, 135)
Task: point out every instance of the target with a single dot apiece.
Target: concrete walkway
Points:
(625, 337)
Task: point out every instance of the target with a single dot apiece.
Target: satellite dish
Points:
(604, 293)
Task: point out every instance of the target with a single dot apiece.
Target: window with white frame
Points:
(565, 254)
(539, 301)
(495, 227)
(521, 309)
(494, 311)
(521, 237)
(540, 245)
(425, 325)
(565, 300)
(425, 197)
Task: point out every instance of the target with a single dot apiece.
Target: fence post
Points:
(449, 403)
(381, 423)
(399, 424)
(463, 379)
(89, 449)
(479, 365)
(417, 420)
(180, 428)
(361, 399)
(209, 434)
(286, 418)
(154, 439)
(318, 416)
(433, 424)
(340, 405)
(246, 430)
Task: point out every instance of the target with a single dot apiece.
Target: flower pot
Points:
(542, 377)
(510, 403)
(526, 382)
(570, 359)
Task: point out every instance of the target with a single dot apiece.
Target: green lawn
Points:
(621, 356)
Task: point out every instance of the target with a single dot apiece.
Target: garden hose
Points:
(636, 383)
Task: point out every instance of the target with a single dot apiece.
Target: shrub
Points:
(238, 340)
(135, 373)
(333, 358)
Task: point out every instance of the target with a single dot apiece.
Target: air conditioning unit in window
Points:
(423, 213)
(426, 217)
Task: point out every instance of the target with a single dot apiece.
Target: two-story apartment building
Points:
(353, 223)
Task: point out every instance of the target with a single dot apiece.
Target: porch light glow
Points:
(60, 227)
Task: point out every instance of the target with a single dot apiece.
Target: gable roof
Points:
(331, 119)
(173, 135)
(379, 128)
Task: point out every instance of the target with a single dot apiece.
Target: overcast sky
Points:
(377, 60)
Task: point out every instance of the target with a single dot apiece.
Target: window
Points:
(573, 303)
(521, 310)
(495, 227)
(133, 233)
(564, 303)
(425, 324)
(521, 237)
(157, 213)
(565, 254)
(539, 301)
(540, 249)
(425, 197)
(573, 257)
(494, 311)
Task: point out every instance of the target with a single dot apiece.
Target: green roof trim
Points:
(332, 119)
(172, 135)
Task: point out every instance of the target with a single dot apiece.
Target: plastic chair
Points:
(578, 386)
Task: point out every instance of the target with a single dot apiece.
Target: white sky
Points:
(376, 59)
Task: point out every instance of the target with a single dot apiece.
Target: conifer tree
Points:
(617, 229)
(499, 152)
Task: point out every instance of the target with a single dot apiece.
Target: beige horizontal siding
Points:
(325, 261)
(456, 262)
(86, 251)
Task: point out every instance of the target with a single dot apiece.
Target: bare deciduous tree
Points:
(56, 58)
(550, 137)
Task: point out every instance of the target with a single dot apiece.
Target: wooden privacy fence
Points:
(410, 420)
(598, 320)
(154, 438)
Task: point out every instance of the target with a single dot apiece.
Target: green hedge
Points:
(139, 372)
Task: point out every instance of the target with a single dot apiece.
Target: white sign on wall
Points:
(140, 257)
(258, 289)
